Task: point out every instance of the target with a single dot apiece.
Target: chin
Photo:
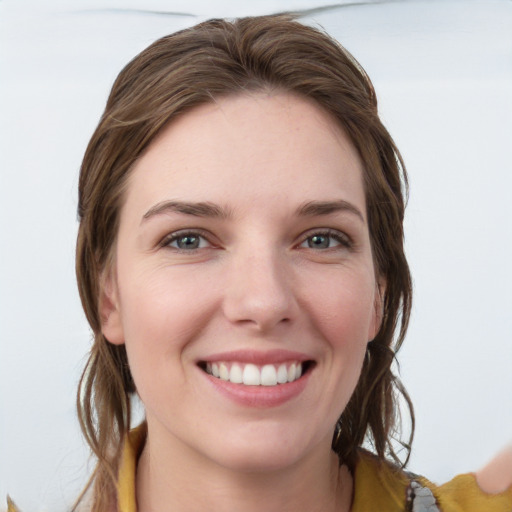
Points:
(258, 462)
(261, 454)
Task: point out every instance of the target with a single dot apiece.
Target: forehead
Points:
(250, 148)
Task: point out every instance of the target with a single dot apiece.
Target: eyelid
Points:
(344, 240)
(175, 235)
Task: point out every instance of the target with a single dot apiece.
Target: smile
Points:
(249, 374)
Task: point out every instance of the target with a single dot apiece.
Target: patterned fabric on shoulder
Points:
(420, 498)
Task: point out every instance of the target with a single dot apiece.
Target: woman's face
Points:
(243, 257)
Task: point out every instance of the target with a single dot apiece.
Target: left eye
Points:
(325, 241)
(187, 241)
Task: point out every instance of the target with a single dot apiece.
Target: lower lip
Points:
(259, 396)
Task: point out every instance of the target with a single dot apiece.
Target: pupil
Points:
(188, 242)
(319, 241)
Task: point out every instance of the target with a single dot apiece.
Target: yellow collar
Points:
(126, 499)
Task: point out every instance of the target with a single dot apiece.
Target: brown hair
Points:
(192, 67)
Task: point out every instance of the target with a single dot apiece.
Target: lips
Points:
(258, 378)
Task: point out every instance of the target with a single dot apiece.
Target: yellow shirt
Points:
(378, 487)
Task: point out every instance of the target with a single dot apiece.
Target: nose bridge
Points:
(259, 289)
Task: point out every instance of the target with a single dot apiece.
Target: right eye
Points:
(326, 239)
(186, 241)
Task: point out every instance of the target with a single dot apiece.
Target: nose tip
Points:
(259, 295)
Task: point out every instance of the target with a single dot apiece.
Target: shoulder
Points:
(490, 489)
(464, 493)
(382, 486)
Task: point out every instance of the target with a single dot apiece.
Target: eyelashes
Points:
(318, 240)
(187, 240)
(326, 239)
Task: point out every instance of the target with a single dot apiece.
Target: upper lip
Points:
(275, 356)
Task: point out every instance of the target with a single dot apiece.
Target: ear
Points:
(110, 312)
(378, 308)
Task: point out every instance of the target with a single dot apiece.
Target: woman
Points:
(240, 261)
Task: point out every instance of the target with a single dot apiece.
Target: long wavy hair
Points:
(175, 74)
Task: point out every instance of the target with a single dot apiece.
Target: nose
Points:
(259, 292)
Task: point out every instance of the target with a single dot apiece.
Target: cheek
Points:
(162, 312)
(342, 306)
(154, 301)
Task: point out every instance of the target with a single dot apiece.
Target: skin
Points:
(496, 476)
(264, 276)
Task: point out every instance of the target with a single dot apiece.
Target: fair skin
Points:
(243, 253)
(496, 476)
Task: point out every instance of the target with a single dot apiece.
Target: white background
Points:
(443, 73)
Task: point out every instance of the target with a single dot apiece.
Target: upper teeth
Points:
(253, 375)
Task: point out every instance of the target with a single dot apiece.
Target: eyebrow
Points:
(314, 208)
(201, 209)
(207, 209)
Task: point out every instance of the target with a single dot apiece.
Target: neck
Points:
(174, 479)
